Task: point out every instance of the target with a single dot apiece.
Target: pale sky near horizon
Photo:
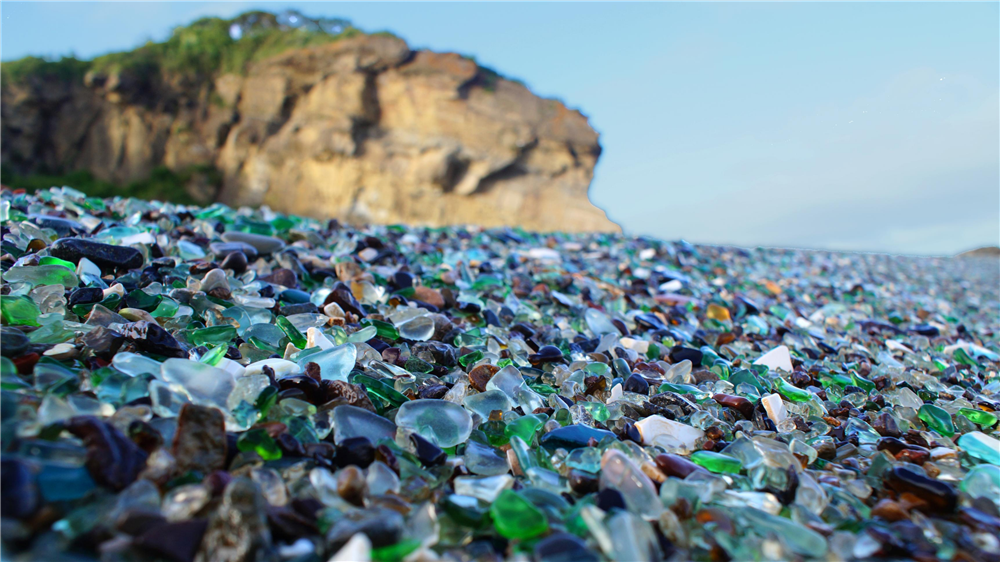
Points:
(849, 126)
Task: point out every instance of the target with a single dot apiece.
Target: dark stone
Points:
(308, 385)
(113, 460)
(200, 442)
(358, 451)
(572, 437)
(178, 542)
(225, 249)
(676, 465)
(352, 394)
(436, 352)
(428, 453)
(13, 342)
(18, 491)
(649, 321)
(150, 337)
(342, 295)
(546, 354)
(105, 256)
(433, 392)
(563, 547)
(288, 525)
(636, 383)
(738, 403)
(238, 530)
(236, 261)
(284, 277)
(103, 342)
(610, 498)
(926, 330)
(135, 522)
(401, 280)
(679, 353)
(381, 525)
(298, 308)
(85, 295)
(63, 227)
(583, 483)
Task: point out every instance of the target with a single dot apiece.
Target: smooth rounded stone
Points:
(381, 479)
(355, 451)
(573, 437)
(341, 295)
(215, 279)
(620, 473)
(351, 485)
(150, 337)
(738, 403)
(13, 342)
(777, 359)
(63, 227)
(236, 262)
(105, 256)
(442, 422)
(484, 460)
(563, 547)
(546, 354)
(670, 434)
(484, 403)
(263, 244)
(636, 383)
(351, 421)
(223, 250)
(335, 363)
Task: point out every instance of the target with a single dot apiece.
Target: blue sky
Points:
(856, 126)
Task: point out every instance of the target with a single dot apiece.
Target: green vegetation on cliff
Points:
(163, 183)
(204, 48)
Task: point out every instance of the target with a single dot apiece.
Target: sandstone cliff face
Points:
(363, 129)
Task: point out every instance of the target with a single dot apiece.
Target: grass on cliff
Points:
(163, 184)
(199, 50)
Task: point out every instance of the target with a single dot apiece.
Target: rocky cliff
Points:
(362, 129)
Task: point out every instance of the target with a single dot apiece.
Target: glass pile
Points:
(185, 383)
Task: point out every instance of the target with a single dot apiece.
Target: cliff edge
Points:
(363, 129)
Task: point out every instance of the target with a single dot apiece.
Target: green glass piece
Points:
(142, 300)
(470, 359)
(381, 388)
(214, 356)
(862, 382)
(417, 365)
(262, 345)
(698, 393)
(19, 311)
(301, 428)
(258, 441)
(792, 392)
(51, 260)
(385, 330)
(596, 410)
(216, 335)
(979, 417)
(362, 335)
(829, 379)
(525, 426)
(937, 419)
(542, 388)
(395, 552)
(166, 309)
(293, 333)
(717, 462)
(52, 274)
(962, 356)
(265, 400)
(496, 432)
(516, 518)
